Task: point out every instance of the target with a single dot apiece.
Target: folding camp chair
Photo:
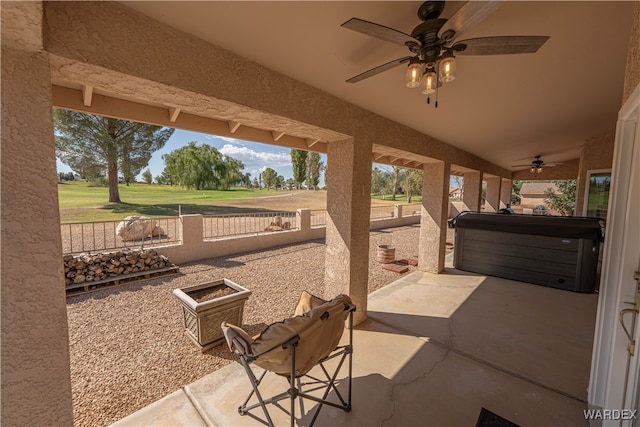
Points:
(291, 348)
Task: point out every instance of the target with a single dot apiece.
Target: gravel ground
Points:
(128, 346)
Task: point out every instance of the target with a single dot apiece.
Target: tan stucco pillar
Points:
(348, 206)
(472, 190)
(35, 368)
(505, 192)
(433, 221)
(492, 202)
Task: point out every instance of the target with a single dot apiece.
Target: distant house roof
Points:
(532, 189)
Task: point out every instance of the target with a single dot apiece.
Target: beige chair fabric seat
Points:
(319, 331)
(292, 347)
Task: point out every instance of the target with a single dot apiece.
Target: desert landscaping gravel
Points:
(127, 343)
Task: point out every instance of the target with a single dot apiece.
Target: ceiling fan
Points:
(536, 165)
(434, 43)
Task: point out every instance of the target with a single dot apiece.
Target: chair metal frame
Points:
(295, 385)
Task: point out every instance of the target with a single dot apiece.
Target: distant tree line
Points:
(66, 176)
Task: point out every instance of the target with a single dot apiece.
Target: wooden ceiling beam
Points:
(174, 112)
(276, 135)
(311, 142)
(87, 95)
(233, 126)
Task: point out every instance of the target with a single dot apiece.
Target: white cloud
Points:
(223, 138)
(257, 158)
(227, 139)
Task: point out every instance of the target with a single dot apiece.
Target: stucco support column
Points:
(472, 191)
(505, 192)
(348, 208)
(35, 367)
(492, 202)
(433, 221)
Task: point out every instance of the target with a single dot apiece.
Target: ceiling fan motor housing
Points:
(430, 10)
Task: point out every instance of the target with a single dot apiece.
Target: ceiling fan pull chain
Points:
(436, 96)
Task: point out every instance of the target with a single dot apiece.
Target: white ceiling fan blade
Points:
(470, 14)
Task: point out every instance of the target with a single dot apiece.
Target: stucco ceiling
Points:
(505, 109)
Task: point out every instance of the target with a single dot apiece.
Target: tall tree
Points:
(397, 177)
(299, 162)
(565, 200)
(90, 144)
(314, 169)
(269, 177)
(246, 180)
(147, 176)
(459, 182)
(229, 172)
(412, 182)
(379, 181)
(202, 167)
(515, 192)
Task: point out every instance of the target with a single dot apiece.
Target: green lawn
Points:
(81, 203)
(400, 198)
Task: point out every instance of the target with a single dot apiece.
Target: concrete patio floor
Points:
(434, 351)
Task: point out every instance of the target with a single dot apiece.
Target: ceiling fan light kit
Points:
(447, 67)
(536, 165)
(414, 73)
(433, 43)
(430, 81)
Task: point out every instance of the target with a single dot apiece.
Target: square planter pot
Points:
(206, 306)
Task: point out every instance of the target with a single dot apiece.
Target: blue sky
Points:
(255, 156)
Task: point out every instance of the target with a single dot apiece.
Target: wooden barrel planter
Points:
(386, 254)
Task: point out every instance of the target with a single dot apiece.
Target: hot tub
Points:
(560, 252)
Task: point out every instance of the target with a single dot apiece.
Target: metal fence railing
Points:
(102, 235)
(411, 209)
(382, 212)
(217, 226)
(318, 218)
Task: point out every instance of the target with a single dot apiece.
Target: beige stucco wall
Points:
(193, 247)
(35, 369)
(632, 72)
(212, 81)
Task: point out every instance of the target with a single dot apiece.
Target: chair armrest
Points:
(237, 338)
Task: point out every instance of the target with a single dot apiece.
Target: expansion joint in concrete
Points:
(199, 409)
